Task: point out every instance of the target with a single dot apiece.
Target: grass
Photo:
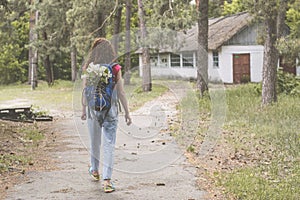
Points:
(61, 95)
(33, 135)
(58, 96)
(251, 183)
(18, 143)
(8, 162)
(269, 139)
(66, 95)
(137, 98)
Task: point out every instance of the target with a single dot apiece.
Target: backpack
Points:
(99, 91)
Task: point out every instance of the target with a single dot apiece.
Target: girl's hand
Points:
(128, 119)
(83, 116)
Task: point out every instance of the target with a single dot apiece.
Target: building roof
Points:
(221, 30)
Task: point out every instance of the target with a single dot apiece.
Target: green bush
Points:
(287, 83)
(296, 91)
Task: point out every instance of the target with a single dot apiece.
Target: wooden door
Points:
(241, 68)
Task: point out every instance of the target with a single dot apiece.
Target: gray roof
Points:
(220, 31)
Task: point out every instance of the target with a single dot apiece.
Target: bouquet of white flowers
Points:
(96, 73)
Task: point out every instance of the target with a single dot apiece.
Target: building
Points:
(234, 55)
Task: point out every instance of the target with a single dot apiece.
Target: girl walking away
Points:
(103, 87)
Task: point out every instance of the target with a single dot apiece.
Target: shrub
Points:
(287, 83)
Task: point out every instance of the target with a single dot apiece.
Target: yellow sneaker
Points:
(108, 187)
(94, 174)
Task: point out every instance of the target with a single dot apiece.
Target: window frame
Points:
(188, 59)
(215, 58)
(178, 60)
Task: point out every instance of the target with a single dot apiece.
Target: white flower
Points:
(84, 76)
(92, 68)
(95, 71)
(88, 70)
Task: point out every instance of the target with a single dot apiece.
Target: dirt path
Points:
(148, 162)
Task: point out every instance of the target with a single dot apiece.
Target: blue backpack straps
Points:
(100, 91)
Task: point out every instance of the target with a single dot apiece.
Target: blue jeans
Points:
(107, 133)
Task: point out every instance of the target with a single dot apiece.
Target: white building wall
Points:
(256, 62)
(225, 70)
(213, 73)
(175, 72)
(164, 69)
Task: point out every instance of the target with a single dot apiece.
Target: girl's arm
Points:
(122, 96)
(83, 99)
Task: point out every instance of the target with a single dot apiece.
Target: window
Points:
(188, 59)
(153, 60)
(175, 60)
(215, 59)
(163, 60)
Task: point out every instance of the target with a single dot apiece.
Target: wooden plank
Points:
(22, 115)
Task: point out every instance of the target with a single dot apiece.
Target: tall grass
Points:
(271, 137)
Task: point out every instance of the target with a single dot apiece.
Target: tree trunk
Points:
(100, 19)
(49, 71)
(202, 62)
(33, 52)
(33, 70)
(147, 85)
(31, 40)
(74, 63)
(270, 62)
(48, 66)
(127, 74)
(117, 26)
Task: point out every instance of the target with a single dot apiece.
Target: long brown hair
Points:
(102, 52)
